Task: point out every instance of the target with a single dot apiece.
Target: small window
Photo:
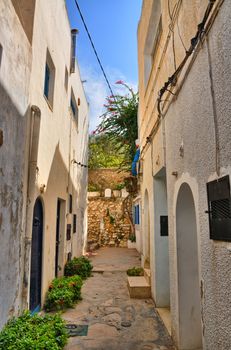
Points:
(163, 225)
(49, 81)
(136, 215)
(74, 223)
(68, 232)
(66, 79)
(70, 203)
(74, 107)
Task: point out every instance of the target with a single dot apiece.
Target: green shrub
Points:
(119, 186)
(78, 266)
(63, 293)
(34, 332)
(135, 271)
(132, 238)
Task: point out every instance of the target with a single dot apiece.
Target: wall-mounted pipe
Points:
(34, 130)
(74, 33)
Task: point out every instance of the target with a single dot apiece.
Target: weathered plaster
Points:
(189, 126)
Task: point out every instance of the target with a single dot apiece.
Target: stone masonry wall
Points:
(108, 225)
(109, 209)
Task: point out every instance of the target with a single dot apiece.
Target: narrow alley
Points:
(115, 175)
(115, 321)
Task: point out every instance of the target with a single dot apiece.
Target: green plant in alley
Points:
(132, 238)
(78, 266)
(63, 292)
(119, 186)
(111, 218)
(119, 123)
(34, 332)
(104, 153)
(135, 271)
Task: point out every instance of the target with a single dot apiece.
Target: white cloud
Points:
(97, 90)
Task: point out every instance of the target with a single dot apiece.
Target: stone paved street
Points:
(115, 321)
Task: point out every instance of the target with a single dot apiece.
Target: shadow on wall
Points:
(12, 201)
(60, 186)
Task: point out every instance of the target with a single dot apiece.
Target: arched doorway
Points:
(36, 257)
(190, 330)
(146, 246)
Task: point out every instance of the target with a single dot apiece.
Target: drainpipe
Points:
(35, 118)
(74, 33)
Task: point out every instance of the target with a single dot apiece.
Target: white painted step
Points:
(138, 287)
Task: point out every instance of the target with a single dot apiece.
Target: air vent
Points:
(219, 203)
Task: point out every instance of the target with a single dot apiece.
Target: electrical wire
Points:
(95, 52)
(194, 41)
(79, 163)
(173, 78)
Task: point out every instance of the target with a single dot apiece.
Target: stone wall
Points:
(100, 179)
(108, 221)
(109, 209)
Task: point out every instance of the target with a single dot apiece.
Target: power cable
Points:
(95, 52)
(194, 41)
(173, 78)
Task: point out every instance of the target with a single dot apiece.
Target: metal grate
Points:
(219, 203)
(221, 209)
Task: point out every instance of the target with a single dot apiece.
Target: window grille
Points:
(219, 209)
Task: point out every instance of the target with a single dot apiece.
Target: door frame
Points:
(40, 202)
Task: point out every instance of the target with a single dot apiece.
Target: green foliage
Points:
(78, 266)
(93, 188)
(34, 332)
(111, 218)
(119, 186)
(135, 271)
(119, 123)
(105, 152)
(63, 293)
(132, 238)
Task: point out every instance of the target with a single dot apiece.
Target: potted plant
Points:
(132, 241)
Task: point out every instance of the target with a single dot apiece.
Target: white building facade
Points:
(186, 162)
(52, 147)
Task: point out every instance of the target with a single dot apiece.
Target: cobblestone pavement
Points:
(115, 321)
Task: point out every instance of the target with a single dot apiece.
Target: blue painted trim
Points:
(36, 310)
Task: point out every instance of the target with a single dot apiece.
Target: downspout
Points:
(34, 131)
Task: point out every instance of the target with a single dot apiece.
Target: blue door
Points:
(36, 257)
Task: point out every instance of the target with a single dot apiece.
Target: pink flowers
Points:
(119, 82)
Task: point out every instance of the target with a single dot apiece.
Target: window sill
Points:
(48, 102)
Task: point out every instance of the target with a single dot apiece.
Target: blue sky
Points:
(113, 27)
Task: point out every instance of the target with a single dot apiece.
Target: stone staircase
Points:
(140, 287)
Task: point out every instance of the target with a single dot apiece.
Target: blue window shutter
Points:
(47, 80)
(73, 106)
(138, 214)
(134, 214)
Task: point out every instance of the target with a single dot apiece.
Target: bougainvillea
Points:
(119, 122)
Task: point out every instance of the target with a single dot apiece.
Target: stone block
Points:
(116, 193)
(93, 194)
(124, 193)
(107, 193)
